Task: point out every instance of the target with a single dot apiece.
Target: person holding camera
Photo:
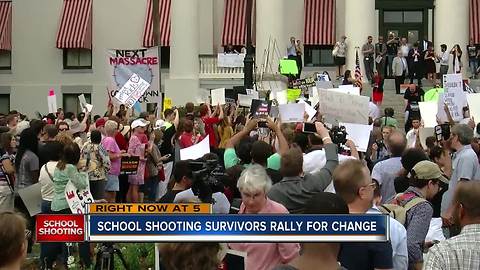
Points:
(296, 189)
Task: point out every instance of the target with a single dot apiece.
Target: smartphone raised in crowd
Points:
(309, 128)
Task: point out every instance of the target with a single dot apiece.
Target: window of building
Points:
(77, 59)
(72, 104)
(318, 55)
(4, 103)
(403, 17)
(5, 60)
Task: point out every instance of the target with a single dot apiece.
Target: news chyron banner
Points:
(196, 223)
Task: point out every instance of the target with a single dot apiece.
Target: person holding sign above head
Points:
(137, 148)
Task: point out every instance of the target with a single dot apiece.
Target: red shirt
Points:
(209, 122)
(188, 139)
(121, 141)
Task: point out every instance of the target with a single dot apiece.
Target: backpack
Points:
(398, 211)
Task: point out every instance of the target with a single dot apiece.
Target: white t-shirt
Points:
(411, 138)
(316, 160)
(46, 182)
(221, 205)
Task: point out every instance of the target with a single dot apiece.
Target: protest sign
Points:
(291, 113)
(245, 100)
(132, 90)
(230, 60)
(455, 100)
(32, 198)
(433, 94)
(359, 134)
(424, 133)
(344, 107)
(280, 96)
(52, 101)
(84, 105)
(309, 110)
(304, 83)
(260, 108)
(122, 63)
(77, 199)
(324, 84)
(323, 78)
(218, 96)
(347, 90)
(196, 151)
(129, 165)
(167, 103)
(293, 94)
(474, 106)
(428, 112)
(452, 82)
(288, 67)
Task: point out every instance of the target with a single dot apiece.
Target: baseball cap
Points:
(428, 170)
(100, 122)
(140, 122)
(159, 124)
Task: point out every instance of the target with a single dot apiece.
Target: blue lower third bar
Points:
(238, 228)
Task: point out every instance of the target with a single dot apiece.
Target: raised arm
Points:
(251, 124)
(282, 141)
(177, 119)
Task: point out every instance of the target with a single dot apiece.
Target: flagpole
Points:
(157, 41)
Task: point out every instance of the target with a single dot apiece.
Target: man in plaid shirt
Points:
(463, 250)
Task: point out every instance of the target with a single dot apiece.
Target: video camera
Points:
(208, 177)
(338, 134)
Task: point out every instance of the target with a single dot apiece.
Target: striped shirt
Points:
(459, 252)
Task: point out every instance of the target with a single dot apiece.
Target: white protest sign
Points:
(52, 101)
(309, 110)
(291, 113)
(32, 198)
(344, 107)
(474, 106)
(455, 101)
(454, 97)
(122, 63)
(218, 96)
(202, 96)
(348, 90)
(132, 90)
(245, 100)
(359, 134)
(424, 133)
(280, 96)
(313, 96)
(230, 60)
(428, 112)
(324, 84)
(196, 151)
(84, 105)
(77, 199)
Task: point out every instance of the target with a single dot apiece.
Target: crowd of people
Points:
(268, 168)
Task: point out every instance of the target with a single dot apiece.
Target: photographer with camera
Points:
(296, 189)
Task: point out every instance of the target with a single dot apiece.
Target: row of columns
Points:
(451, 27)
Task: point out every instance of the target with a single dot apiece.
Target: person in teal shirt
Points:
(230, 156)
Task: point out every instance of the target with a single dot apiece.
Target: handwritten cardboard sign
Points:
(343, 107)
(132, 90)
(77, 199)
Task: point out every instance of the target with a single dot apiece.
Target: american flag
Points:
(358, 72)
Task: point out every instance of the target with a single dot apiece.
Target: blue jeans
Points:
(151, 188)
(473, 63)
(49, 252)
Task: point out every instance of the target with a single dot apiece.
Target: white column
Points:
(359, 24)
(270, 27)
(452, 27)
(183, 84)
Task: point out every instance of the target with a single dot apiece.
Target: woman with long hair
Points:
(27, 167)
(225, 131)
(13, 236)
(430, 58)
(137, 148)
(457, 59)
(68, 169)
(8, 146)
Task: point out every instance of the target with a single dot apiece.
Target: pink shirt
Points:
(111, 146)
(265, 256)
